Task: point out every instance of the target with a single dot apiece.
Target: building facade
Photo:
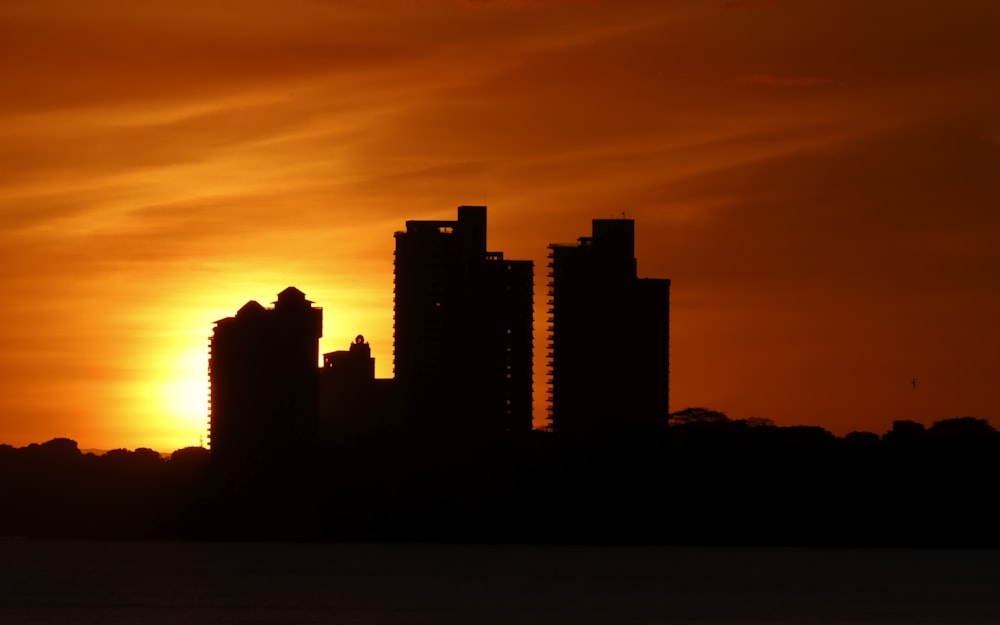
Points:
(462, 330)
(263, 375)
(609, 357)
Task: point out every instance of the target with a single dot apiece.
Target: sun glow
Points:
(170, 392)
(184, 396)
(173, 383)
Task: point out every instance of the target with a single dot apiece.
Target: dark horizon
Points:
(708, 481)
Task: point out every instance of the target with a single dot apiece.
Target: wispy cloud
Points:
(784, 81)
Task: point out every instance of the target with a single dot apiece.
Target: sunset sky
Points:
(820, 180)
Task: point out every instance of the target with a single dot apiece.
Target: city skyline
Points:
(462, 352)
(818, 181)
(462, 357)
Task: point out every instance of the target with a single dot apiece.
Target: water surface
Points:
(214, 583)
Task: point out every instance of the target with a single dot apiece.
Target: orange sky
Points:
(820, 180)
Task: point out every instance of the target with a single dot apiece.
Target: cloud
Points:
(59, 55)
(778, 81)
(842, 202)
(741, 5)
(831, 265)
(519, 3)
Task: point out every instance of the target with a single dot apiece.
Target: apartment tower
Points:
(463, 330)
(263, 375)
(609, 359)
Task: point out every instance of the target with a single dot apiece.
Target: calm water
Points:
(180, 583)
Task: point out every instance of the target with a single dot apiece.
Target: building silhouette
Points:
(463, 330)
(462, 350)
(609, 337)
(263, 374)
(353, 403)
(463, 356)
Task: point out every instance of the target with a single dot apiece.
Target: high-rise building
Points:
(263, 372)
(463, 330)
(609, 360)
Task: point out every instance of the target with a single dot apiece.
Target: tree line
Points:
(704, 479)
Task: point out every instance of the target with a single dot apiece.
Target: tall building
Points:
(263, 373)
(609, 359)
(463, 329)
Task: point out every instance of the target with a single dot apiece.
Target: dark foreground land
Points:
(721, 483)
